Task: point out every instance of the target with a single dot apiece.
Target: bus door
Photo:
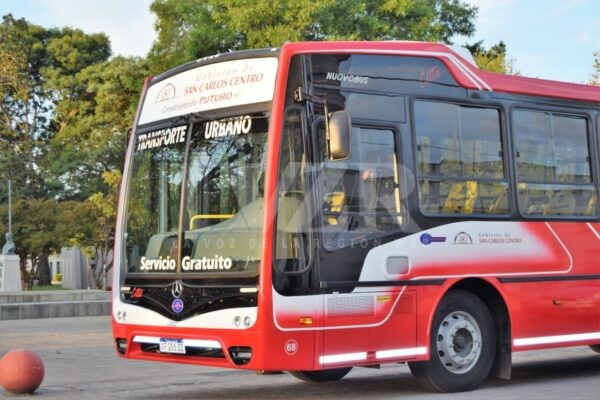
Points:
(361, 206)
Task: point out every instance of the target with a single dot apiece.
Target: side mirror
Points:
(339, 127)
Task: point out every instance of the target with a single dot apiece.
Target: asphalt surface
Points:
(80, 364)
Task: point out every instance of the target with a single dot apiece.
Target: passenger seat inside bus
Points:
(333, 205)
(162, 245)
(561, 202)
(461, 198)
(591, 206)
(239, 237)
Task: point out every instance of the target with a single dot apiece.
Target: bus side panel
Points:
(547, 272)
(552, 313)
(369, 328)
(286, 351)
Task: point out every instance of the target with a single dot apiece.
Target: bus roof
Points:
(467, 74)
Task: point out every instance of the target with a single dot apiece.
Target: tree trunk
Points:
(26, 277)
(43, 269)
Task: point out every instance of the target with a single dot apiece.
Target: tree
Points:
(90, 146)
(43, 227)
(24, 104)
(104, 208)
(595, 77)
(41, 66)
(92, 128)
(72, 54)
(41, 94)
(191, 29)
(34, 224)
(493, 59)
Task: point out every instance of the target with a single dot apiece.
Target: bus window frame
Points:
(402, 189)
(593, 149)
(308, 200)
(506, 146)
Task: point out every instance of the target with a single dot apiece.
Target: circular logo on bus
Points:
(291, 347)
(177, 306)
(177, 289)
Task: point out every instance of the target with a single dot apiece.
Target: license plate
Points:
(172, 346)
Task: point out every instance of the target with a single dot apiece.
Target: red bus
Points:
(329, 205)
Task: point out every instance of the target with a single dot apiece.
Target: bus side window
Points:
(361, 197)
(553, 164)
(460, 163)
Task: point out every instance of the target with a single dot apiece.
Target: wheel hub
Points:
(459, 342)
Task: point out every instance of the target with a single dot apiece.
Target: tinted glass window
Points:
(553, 164)
(292, 239)
(361, 196)
(381, 73)
(154, 200)
(224, 196)
(459, 159)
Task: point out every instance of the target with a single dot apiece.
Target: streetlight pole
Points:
(9, 246)
(10, 207)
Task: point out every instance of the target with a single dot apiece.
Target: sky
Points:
(549, 39)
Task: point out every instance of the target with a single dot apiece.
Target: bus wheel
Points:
(595, 347)
(326, 375)
(462, 345)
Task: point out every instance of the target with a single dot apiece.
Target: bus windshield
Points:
(219, 222)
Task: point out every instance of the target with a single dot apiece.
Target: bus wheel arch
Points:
(472, 309)
(497, 306)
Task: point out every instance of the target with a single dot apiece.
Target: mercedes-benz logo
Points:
(177, 289)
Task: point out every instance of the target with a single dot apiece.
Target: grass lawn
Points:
(48, 287)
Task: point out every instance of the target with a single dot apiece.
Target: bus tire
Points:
(595, 347)
(326, 375)
(462, 345)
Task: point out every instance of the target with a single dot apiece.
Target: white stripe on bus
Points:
(594, 230)
(397, 353)
(339, 358)
(556, 339)
(361, 356)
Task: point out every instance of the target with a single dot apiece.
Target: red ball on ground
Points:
(21, 371)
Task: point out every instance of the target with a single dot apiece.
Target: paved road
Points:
(80, 363)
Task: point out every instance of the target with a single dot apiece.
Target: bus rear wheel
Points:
(326, 375)
(462, 345)
(595, 347)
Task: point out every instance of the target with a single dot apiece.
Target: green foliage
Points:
(13, 59)
(46, 288)
(493, 59)
(41, 66)
(23, 104)
(71, 50)
(189, 29)
(91, 129)
(595, 77)
(46, 225)
(104, 207)
(65, 110)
